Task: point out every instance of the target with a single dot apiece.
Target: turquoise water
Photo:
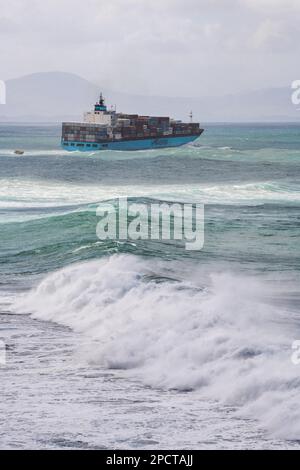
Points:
(251, 192)
(217, 324)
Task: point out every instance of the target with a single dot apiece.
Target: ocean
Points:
(144, 344)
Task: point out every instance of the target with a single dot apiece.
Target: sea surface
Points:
(143, 344)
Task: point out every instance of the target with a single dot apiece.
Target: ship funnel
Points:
(100, 106)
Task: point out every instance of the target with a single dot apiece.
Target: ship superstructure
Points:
(106, 129)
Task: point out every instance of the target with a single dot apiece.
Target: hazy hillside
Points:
(57, 96)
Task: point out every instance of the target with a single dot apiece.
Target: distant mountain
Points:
(47, 97)
(57, 96)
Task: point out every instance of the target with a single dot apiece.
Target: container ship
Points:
(104, 129)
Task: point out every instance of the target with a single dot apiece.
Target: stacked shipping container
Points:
(127, 127)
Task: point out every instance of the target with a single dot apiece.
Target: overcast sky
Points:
(164, 47)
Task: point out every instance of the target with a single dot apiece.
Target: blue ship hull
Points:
(142, 144)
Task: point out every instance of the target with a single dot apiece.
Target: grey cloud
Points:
(160, 47)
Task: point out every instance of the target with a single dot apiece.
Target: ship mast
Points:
(101, 99)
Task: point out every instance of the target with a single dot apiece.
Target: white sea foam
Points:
(18, 193)
(215, 333)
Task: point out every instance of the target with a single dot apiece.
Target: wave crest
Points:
(216, 333)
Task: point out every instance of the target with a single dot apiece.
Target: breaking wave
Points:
(178, 326)
(17, 192)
